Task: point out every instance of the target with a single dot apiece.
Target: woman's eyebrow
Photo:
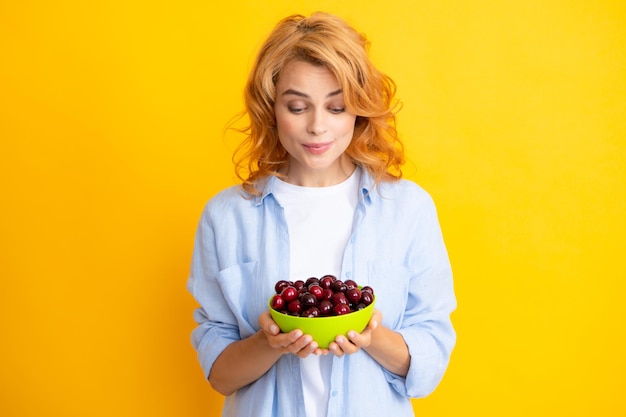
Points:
(291, 91)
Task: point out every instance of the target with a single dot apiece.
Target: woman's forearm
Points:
(242, 362)
(389, 349)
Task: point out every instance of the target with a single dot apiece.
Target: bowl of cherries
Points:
(321, 307)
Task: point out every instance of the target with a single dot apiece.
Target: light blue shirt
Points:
(396, 247)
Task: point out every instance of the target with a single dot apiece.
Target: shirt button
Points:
(348, 274)
(334, 393)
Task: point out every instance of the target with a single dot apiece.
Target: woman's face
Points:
(313, 125)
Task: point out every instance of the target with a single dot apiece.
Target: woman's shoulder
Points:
(234, 192)
(405, 201)
(228, 200)
(404, 190)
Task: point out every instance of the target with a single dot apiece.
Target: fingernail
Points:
(351, 334)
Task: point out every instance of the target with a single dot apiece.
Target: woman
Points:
(322, 194)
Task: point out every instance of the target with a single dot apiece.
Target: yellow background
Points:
(111, 118)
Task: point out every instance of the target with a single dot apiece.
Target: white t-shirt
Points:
(319, 220)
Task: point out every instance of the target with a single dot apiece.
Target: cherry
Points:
(281, 285)
(327, 293)
(367, 297)
(353, 295)
(298, 284)
(367, 288)
(325, 307)
(338, 286)
(289, 293)
(311, 312)
(350, 284)
(312, 280)
(341, 309)
(294, 306)
(308, 300)
(339, 298)
(278, 302)
(326, 280)
(317, 291)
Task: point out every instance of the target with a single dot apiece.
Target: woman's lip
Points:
(317, 148)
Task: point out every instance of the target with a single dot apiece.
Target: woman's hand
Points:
(356, 341)
(293, 342)
(384, 345)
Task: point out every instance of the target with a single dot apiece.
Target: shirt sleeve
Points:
(426, 326)
(217, 325)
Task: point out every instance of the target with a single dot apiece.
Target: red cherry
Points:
(350, 283)
(281, 285)
(278, 302)
(366, 297)
(308, 300)
(325, 307)
(341, 309)
(339, 298)
(338, 286)
(294, 306)
(311, 312)
(327, 294)
(367, 288)
(289, 294)
(317, 291)
(326, 280)
(312, 280)
(353, 295)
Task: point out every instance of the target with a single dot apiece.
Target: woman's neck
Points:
(320, 178)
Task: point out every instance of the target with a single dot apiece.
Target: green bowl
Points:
(324, 329)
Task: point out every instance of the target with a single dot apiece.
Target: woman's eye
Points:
(296, 109)
(337, 110)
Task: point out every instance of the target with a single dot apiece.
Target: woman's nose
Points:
(317, 123)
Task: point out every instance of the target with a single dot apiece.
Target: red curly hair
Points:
(325, 40)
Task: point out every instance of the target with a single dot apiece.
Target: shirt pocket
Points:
(240, 287)
(390, 283)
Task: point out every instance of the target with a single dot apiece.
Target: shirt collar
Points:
(367, 185)
(267, 185)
